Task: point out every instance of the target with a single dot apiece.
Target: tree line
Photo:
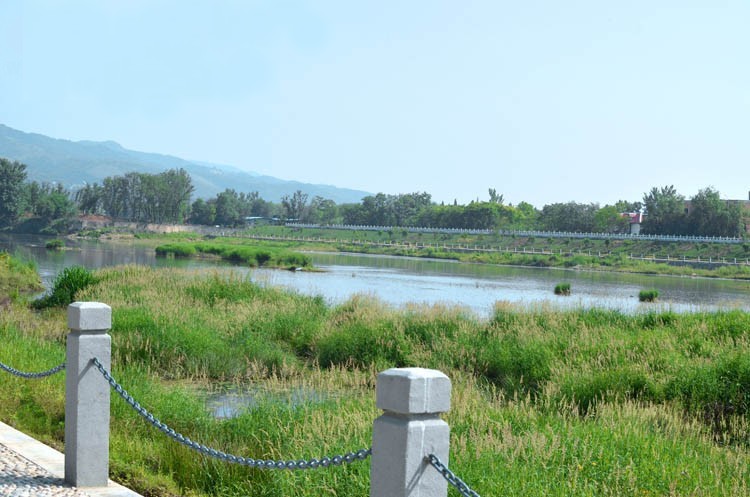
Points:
(166, 198)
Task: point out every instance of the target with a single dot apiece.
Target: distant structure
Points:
(635, 219)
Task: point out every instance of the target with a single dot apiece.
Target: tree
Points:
(202, 212)
(12, 177)
(322, 210)
(665, 212)
(228, 208)
(609, 219)
(495, 198)
(570, 216)
(709, 215)
(295, 207)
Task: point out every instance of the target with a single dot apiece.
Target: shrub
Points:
(55, 244)
(562, 289)
(648, 295)
(68, 283)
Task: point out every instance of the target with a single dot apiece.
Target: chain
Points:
(40, 374)
(454, 480)
(323, 462)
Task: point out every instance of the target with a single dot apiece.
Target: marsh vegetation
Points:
(546, 402)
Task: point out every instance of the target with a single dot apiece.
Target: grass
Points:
(545, 402)
(610, 255)
(67, 284)
(650, 295)
(252, 255)
(55, 244)
(17, 277)
(562, 289)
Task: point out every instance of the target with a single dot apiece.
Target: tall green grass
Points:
(545, 402)
(244, 254)
(68, 283)
(17, 276)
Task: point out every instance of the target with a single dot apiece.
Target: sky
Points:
(543, 100)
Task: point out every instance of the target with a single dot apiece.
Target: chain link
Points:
(323, 462)
(40, 374)
(454, 480)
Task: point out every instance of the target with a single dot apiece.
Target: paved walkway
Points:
(28, 468)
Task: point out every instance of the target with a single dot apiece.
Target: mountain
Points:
(75, 163)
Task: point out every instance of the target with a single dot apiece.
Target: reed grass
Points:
(252, 255)
(648, 295)
(545, 402)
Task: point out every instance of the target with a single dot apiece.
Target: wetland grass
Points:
(545, 402)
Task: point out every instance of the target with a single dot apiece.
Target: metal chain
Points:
(40, 374)
(323, 462)
(454, 480)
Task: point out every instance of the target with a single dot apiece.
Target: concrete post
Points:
(87, 395)
(409, 430)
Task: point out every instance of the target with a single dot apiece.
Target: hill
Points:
(75, 163)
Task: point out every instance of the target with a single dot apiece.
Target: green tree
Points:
(12, 177)
(202, 212)
(570, 216)
(228, 208)
(322, 210)
(295, 207)
(665, 212)
(609, 219)
(709, 215)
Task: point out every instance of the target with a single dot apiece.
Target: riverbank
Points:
(17, 277)
(630, 256)
(545, 402)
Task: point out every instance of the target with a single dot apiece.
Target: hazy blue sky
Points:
(546, 101)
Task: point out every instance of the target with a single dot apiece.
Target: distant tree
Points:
(322, 211)
(228, 208)
(709, 215)
(524, 217)
(51, 203)
(665, 212)
(89, 199)
(405, 208)
(625, 206)
(202, 212)
(609, 219)
(295, 207)
(12, 177)
(570, 216)
(496, 198)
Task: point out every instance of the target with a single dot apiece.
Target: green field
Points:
(545, 402)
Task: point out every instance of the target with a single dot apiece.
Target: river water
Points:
(401, 281)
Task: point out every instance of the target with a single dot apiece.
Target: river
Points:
(402, 280)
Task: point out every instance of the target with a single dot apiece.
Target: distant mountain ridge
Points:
(75, 163)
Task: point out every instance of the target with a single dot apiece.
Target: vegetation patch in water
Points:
(562, 289)
(648, 295)
(254, 256)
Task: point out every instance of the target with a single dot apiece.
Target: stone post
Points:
(87, 395)
(409, 430)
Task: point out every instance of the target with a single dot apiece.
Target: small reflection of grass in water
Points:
(229, 401)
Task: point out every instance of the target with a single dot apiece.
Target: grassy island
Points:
(545, 402)
(251, 255)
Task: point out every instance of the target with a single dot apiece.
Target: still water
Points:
(403, 281)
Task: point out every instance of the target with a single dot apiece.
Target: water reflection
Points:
(231, 401)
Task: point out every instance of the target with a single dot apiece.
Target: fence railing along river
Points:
(410, 442)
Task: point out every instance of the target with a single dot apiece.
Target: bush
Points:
(55, 244)
(648, 295)
(562, 289)
(67, 284)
